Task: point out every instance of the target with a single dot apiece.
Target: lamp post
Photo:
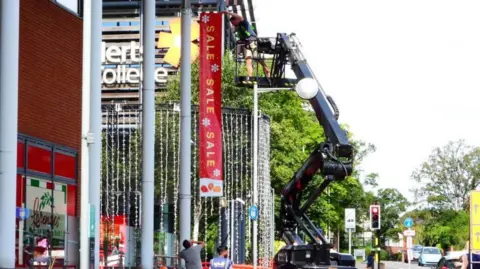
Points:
(306, 88)
(256, 92)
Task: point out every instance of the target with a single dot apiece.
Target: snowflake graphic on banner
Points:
(206, 122)
(215, 68)
(205, 19)
(216, 172)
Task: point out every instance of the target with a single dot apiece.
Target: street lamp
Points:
(304, 92)
(307, 88)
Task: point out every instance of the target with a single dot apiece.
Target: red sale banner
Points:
(210, 105)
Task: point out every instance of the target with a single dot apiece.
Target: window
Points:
(73, 6)
(431, 251)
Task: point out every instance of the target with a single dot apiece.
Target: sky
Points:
(404, 74)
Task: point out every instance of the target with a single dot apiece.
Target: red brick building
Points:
(49, 126)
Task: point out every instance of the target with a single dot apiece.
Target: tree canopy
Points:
(295, 132)
(447, 177)
(444, 183)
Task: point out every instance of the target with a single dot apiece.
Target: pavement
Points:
(402, 265)
(394, 265)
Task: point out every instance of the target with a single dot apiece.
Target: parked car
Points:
(429, 256)
(417, 249)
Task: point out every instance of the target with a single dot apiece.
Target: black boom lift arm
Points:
(332, 158)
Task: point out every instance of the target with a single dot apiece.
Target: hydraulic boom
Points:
(332, 159)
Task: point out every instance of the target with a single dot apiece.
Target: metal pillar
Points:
(185, 125)
(95, 149)
(86, 140)
(272, 228)
(223, 226)
(255, 172)
(9, 42)
(349, 241)
(233, 231)
(148, 142)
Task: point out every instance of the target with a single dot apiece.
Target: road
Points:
(398, 265)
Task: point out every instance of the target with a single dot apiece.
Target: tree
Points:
(448, 175)
(295, 132)
(443, 227)
(392, 205)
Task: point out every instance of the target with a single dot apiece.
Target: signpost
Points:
(409, 234)
(253, 212)
(474, 224)
(408, 222)
(92, 236)
(350, 225)
(22, 213)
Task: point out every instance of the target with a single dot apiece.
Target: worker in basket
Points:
(249, 42)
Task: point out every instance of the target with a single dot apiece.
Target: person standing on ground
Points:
(222, 261)
(370, 260)
(191, 254)
(249, 38)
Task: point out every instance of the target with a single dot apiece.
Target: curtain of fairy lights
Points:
(120, 184)
(121, 180)
(265, 193)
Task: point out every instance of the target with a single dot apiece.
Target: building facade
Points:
(49, 126)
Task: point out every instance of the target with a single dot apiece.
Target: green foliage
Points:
(445, 227)
(294, 134)
(444, 183)
(448, 175)
(392, 205)
(384, 255)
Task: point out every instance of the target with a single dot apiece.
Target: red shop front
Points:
(47, 188)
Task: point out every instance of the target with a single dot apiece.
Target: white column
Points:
(148, 128)
(84, 169)
(95, 148)
(255, 173)
(9, 42)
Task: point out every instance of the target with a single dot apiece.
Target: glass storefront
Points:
(47, 190)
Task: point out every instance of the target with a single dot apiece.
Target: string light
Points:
(162, 186)
(123, 171)
(175, 174)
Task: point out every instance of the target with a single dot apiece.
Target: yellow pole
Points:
(376, 251)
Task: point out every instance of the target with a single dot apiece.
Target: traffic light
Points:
(375, 217)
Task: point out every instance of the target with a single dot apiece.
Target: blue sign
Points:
(253, 212)
(408, 222)
(22, 213)
(92, 221)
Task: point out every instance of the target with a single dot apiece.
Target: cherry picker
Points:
(332, 159)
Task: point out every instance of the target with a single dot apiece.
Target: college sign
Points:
(116, 67)
(121, 61)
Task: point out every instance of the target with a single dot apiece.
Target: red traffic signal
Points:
(375, 217)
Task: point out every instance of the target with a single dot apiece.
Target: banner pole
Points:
(148, 135)
(185, 124)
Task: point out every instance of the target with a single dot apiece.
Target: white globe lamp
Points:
(307, 88)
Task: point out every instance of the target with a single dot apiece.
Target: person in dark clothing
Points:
(248, 37)
(370, 260)
(221, 262)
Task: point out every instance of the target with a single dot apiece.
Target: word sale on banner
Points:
(210, 105)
